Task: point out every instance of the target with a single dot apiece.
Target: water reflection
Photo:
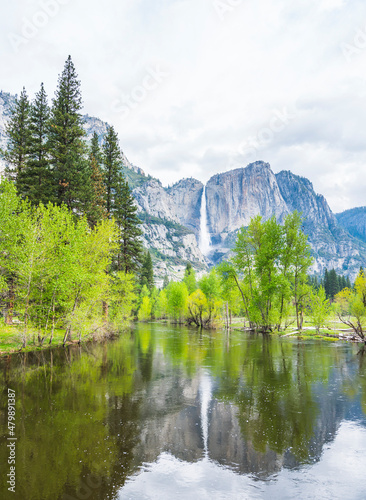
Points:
(205, 392)
(167, 412)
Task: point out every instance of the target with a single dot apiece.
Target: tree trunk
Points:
(11, 300)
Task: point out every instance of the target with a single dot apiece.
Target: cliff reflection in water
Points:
(94, 418)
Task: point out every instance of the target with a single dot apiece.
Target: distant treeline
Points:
(332, 282)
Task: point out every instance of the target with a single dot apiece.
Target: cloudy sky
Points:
(197, 87)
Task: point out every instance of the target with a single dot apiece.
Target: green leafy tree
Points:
(198, 308)
(190, 278)
(295, 263)
(144, 313)
(177, 294)
(122, 299)
(210, 285)
(352, 306)
(270, 266)
(161, 305)
(319, 308)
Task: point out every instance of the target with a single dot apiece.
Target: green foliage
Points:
(334, 283)
(122, 299)
(18, 140)
(270, 267)
(147, 272)
(161, 306)
(53, 269)
(198, 308)
(36, 176)
(190, 278)
(177, 295)
(352, 306)
(144, 313)
(319, 308)
(129, 255)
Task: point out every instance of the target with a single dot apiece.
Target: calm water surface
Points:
(169, 413)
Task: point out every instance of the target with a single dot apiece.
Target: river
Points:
(168, 412)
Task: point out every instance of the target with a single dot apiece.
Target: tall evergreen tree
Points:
(18, 141)
(95, 149)
(36, 177)
(129, 257)
(333, 284)
(112, 165)
(325, 283)
(67, 148)
(348, 283)
(165, 281)
(147, 272)
(96, 210)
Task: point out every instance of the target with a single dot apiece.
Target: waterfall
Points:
(205, 239)
(205, 391)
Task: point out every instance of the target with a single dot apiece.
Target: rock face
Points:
(170, 225)
(234, 197)
(298, 194)
(152, 198)
(6, 102)
(333, 247)
(354, 221)
(187, 197)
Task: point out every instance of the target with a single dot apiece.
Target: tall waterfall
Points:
(205, 239)
(205, 392)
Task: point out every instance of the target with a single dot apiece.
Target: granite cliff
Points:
(354, 221)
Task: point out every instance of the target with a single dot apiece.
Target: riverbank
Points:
(11, 343)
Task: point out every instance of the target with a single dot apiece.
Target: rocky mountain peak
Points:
(234, 197)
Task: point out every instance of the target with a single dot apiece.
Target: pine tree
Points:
(129, 257)
(147, 272)
(96, 210)
(326, 283)
(348, 283)
(112, 165)
(67, 148)
(95, 149)
(166, 281)
(18, 141)
(333, 284)
(36, 177)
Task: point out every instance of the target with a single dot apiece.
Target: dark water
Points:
(168, 413)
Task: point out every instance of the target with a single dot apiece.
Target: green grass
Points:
(10, 340)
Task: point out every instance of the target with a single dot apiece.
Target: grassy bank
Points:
(11, 342)
(10, 336)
